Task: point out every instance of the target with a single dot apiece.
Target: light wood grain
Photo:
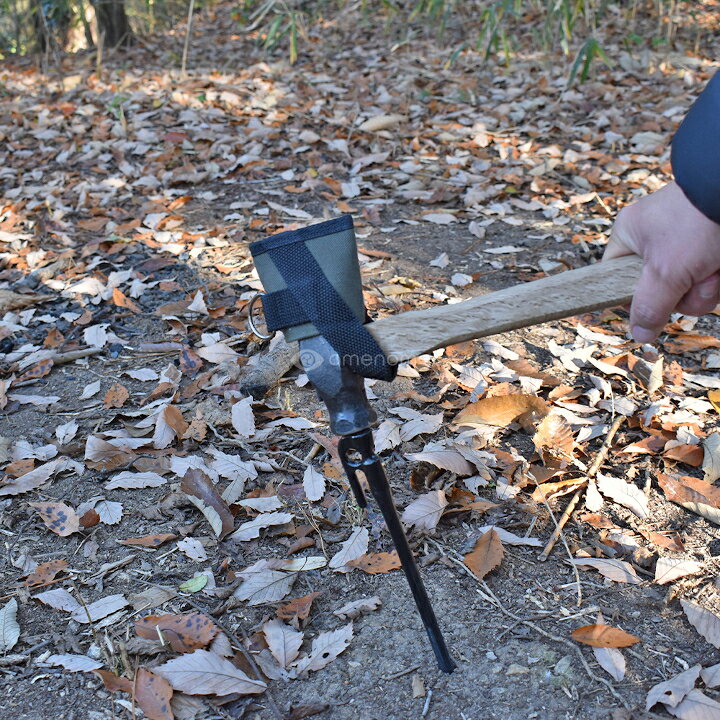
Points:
(572, 292)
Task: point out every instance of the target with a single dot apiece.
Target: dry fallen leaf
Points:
(116, 396)
(610, 659)
(313, 483)
(693, 494)
(711, 458)
(486, 555)
(74, 662)
(203, 493)
(59, 517)
(604, 636)
(672, 691)
(696, 705)
(261, 586)
(704, 621)
(355, 546)
(299, 608)
(625, 494)
(150, 541)
(184, 633)
(669, 569)
(356, 608)
(251, 529)
(205, 673)
(501, 410)
(45, 573)
(424, 513)
(283, 641)
(325, 648)
(615, 570)
(9, 627)
(376, 563)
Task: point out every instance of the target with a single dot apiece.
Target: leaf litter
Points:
(486, 420)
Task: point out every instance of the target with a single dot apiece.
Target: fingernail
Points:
(707, 290)
(642, 335)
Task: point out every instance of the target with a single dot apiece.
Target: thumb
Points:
(656, 296)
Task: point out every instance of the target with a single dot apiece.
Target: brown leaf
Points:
(45, 573)
(694, 494)
(123, 301)
(90, 518)
(690, 342)
(551, 490)
(502, 410)
(204, 495)
(554, 435)
(148, 540)
(38, 370)
(604, 636)
(298, 608)
(689, 454)
(377, 563)
(153, 694)
(190, 362)
(185, 633)
(174, 418)
(116, 396)
(59, 517)
(487, 554)
(115, 683)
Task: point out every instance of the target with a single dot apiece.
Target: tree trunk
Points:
(113, 23)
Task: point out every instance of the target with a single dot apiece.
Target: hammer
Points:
(314, 295)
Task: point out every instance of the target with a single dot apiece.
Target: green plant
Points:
(589, 51)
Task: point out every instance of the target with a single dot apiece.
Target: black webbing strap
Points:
(282, 311)
(315, 300)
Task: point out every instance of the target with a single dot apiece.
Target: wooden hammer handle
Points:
(593, 287)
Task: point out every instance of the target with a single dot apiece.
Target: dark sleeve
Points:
(696, 152)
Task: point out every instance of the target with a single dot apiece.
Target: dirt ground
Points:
(509, 633)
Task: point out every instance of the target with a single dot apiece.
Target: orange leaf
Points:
(501, 410)
(38, 370)
(116, 396)
(45, 573)
(59, 517)
(153, 694)
(604, 636)
(714, 398)
(298, 608)
(114, 682)
(53, 339)
(689, 342)
(123, 301)
(185, 633)
(487, 554)
(550, 490)
(148, 540)
(376, 563)
(174, 418)
(688, 454)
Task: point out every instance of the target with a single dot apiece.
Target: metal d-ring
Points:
(251, 322)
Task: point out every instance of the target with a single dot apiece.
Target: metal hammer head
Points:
(342, 391)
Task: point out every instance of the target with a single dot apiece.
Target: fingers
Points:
(656, 295)
(702, 297)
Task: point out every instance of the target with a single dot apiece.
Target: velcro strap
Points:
(282, 310)
(326, 309)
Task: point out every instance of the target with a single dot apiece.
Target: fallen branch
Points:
(592, 471)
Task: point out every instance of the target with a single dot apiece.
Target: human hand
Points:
(680, 248)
